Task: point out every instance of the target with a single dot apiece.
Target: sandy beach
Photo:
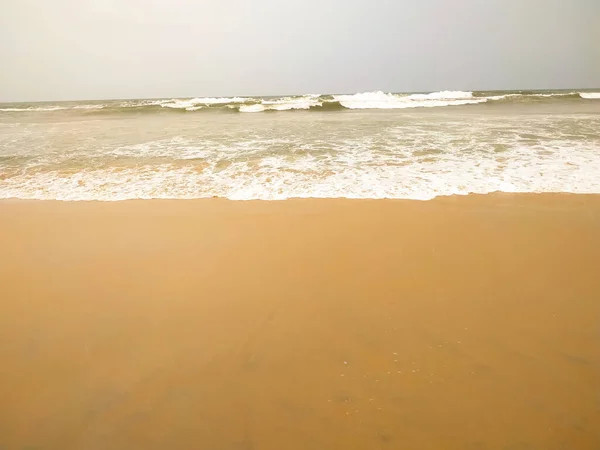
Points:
(458, 323)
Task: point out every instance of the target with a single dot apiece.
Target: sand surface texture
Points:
(458, 323)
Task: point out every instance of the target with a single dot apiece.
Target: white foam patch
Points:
(554, 94)
(30, 109)
(385, 155)
(89, 107)
(275, 178)
(284, 104)
(195, 104)
(590, 95)
(381, 100)
(219, 100)
(442, 95)
(252, 108)
(356, 172)
(366, 100)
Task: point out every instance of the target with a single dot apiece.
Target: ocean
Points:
(366, 145)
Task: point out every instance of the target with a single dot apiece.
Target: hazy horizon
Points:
(81, 100)
(67, 50)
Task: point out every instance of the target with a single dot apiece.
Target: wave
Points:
(536, 97)
(344, 154)
(364, 100)
(381, 100)
(195, 104)
(284, 104)
(32, 109)
(442, 95)
(590, 95)
(89, 107)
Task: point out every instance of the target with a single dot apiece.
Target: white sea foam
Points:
(89, 106)
(502, 97)
(590, 95)
(529, 95)
(442, 95)
(219, 100)
(413, 154)
(258, 107)
(276, 178)
(365, 100)
(284, 104)
(30, 109)
(381, 100)
(287, 103)
(431, 163)
(198, 103)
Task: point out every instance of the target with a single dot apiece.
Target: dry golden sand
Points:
(459, 323)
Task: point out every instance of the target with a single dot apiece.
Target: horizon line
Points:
(296, 95)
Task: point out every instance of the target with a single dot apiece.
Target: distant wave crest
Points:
(33, 109)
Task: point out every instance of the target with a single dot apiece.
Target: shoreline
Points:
(459, 322)
(444, 197)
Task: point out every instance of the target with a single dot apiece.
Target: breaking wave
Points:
(381, 100)
(365, 100)
(277, 148)
(590, 95)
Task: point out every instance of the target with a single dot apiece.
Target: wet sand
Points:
(459, 323)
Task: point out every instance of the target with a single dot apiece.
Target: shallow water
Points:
(371, 145)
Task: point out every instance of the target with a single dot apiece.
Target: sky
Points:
(102, 49)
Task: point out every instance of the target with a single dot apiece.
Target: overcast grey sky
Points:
(87, 49)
